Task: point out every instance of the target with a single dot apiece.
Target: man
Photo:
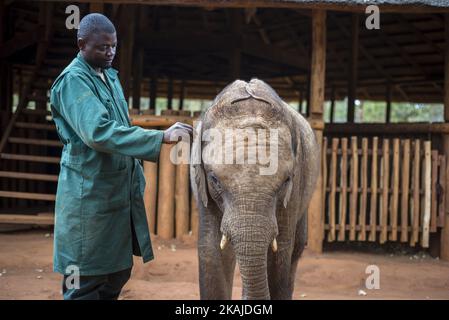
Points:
(100, 219)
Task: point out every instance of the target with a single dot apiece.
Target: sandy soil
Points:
(26, 272)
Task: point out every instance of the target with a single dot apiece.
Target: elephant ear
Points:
(199, 178)
(288, 191)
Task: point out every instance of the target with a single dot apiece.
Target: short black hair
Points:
(94, 23)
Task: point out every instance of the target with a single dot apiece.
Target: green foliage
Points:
(375, 112)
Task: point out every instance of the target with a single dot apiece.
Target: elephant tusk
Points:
(224, 242)
(274, 245)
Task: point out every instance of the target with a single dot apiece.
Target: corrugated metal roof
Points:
(434, 3)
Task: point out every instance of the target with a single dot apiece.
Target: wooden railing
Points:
(385, 184)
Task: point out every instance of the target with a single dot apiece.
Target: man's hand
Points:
(178, 130)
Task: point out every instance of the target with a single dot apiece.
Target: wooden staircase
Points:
(29, 148)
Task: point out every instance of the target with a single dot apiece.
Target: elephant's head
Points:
(247, 193)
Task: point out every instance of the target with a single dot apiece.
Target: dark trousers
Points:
(102, 287)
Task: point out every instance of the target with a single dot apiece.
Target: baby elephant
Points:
(255, 162)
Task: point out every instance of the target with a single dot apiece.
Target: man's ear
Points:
(199, 178)
(81, 43)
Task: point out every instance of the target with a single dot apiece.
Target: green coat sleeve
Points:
(90, 119)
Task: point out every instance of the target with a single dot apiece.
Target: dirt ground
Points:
(26, 272)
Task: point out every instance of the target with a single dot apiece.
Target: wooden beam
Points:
(276, 4)
(332, 111)
(153, 91)
(20, 42)
(353, 60)
(170, 94)
(266, 39)
(137, 78)
(410, 26)
(388, 96)
(236, 55)
(403, 53)
(317, 90)
(97, 7)
(444, 245)
(386, 129)
(40, 219)
(182, 92)
(204, 42)
(126, 34)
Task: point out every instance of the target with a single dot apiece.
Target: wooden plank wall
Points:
(382, 190)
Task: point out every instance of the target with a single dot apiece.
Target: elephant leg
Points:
(300, 243)
(216, 266)
(279, 273)
(282, 264)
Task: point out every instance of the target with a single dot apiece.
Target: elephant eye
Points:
(214, 180)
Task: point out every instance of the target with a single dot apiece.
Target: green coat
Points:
(100, 218)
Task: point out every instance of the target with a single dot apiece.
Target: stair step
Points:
(56, 62)
(62, 50)
(29, 176)
(49, 72)
(39, 126)
(38, 98)
(25, 157)
(38, 142)
(40, 219)
(27, 195)
(36, 112)
(42, 84)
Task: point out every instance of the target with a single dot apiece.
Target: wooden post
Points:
(374, 184)
(300, 99)
(395, 196)
(354, 189)
(427, 196)
(352, 83)
(4, 114)
(150, 195)
(343, 189)
(137, 78)
(444, 253)
(405, 168)
(235, 57)
(388, 100)
(153, 91)
(363, 200)
(318, 67)
(307, 111)
(333, 187)
(182, 94)
(170, 94)
(165, 201)
(126, 48)
(385, 181)
(332, 111)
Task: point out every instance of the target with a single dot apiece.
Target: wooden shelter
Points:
(379, 182)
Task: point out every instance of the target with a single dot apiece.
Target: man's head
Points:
(97, 40)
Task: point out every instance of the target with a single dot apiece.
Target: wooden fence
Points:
(382, 189)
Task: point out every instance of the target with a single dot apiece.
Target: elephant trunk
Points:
(251, 236)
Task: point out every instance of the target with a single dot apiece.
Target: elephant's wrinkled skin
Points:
(244, 212)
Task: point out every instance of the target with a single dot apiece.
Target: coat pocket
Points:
(106, 192)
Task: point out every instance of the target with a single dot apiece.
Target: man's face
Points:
(99, 49)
